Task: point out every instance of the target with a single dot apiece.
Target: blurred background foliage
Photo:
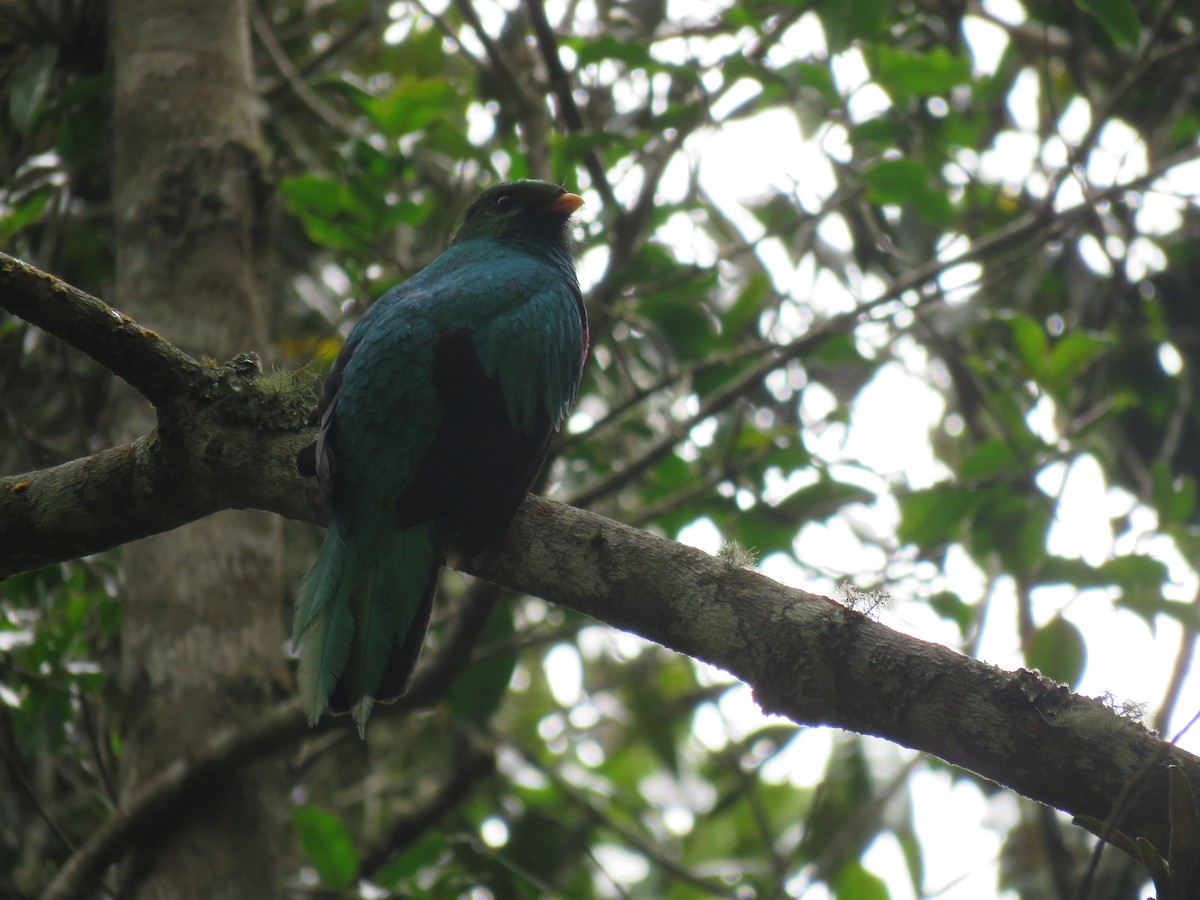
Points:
(813, 230)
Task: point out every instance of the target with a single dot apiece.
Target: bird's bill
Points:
(565, 203)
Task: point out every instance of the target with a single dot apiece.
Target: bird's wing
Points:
(505, 379)
(379, 408)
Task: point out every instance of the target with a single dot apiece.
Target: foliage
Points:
(817, 236)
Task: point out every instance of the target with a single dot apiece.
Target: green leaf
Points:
(409, 863)
(904, 181)
(748, 305)
(1030, 342)
(894, 181)
(838, 350)
(593, 49)
(328, 844)
(935, 516)
(1070, 357)
(769, 529)
(1118, 17)
(28, 210)
(682, 321)
(936, 72)
(310, 194)
(1135, 574)
(1060, 570)
(29, 86)
(857, 883)
(1058, 651)
(816, 77)
(991, 458)
(1174, 496)
(949, 605)
(655, 725)
(410, 106)
(848, 20)
(477, 692)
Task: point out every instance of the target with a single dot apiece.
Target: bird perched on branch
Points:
(435, 420)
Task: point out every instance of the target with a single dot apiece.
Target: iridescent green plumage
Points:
(434, 422)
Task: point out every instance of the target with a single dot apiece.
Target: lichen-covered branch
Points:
(156, 368)
(820, 663)
(807, 657)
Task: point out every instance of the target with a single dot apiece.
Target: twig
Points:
(158, 798)
(560, 83)
(471, 765)
(156, 368)
(291, 76)
(635, 840)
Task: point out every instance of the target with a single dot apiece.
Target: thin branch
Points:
(471, 765)
(806, 657)
(639, 842)
(157, 800)
(1034, 228)
(291, 76)
(560, 83)
(157, 369)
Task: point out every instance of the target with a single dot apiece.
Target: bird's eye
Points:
(504, 203)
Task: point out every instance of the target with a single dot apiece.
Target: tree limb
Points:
(157, 369)
(805, 656)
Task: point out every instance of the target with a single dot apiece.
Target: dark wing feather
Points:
(397, 676)
(479, 464)
(323, 462)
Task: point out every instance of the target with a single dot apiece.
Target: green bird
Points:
(435, 420)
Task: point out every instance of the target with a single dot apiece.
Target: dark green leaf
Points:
(949, 605)
(935, 516)
(936, 72)
(30, 83)
(991, 458)
(895, 181)
(478, 691)
(1070, 356)
(848, 20)
(1118, 17)
(328, 844)
(857, 883)
(1058, 651)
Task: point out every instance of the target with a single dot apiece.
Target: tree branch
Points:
(157, 800)
(806, 657)
(157, 369)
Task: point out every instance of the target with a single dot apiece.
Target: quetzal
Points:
(435, 420)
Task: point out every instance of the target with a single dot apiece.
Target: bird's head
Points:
(526, 210)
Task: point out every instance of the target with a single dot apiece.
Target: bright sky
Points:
(887, 438)
(960, 829)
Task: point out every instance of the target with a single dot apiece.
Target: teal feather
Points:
(388, 600)
(324, 624)
(435, 419)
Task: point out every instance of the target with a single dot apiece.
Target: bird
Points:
(435, 420)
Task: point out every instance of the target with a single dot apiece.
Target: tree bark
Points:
(202, 626)
(806, 657)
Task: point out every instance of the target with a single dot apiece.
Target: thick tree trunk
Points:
(202, 629)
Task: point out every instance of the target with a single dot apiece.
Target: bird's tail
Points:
(361, 617)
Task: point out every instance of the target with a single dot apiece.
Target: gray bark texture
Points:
(807, 657)
(202, 624)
